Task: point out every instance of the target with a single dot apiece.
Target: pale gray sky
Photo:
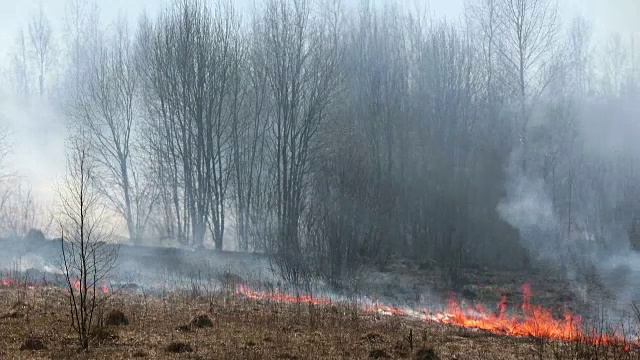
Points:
(38, 147)
(607, 15)
(617, 15)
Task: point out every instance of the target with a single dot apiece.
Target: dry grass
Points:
(246, 329)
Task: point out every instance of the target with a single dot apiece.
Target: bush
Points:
(35, 235)
(201, 321)
(378, 354)
(426, 353)
(116, 318)
(33, 343)
(179, 347)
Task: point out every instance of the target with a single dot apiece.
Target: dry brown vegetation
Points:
(248, 329)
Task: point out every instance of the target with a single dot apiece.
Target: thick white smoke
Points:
(528, 207)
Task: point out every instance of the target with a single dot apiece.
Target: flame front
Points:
(102, 288)
(9, 280)
(534, 320)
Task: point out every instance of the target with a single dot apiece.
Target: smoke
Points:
(32, 261)
(580, 219)
(36, 135)
(528, 207)
(29, 262)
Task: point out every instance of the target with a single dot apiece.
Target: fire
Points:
(533, 320)
(102, 288)
(9, 280)
(279, 296)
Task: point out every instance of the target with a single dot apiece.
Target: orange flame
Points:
(103, 288)
(535, 320)
(8, 280)
(279, 296)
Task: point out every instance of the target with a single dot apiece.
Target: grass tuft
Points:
(179, 347)
(116, 318)
(33, 343)
(378, 354)
(426, 353)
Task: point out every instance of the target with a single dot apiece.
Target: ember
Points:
(533, 320)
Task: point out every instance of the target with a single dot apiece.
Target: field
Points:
(175, 326)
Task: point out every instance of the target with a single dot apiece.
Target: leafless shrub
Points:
(86, 258)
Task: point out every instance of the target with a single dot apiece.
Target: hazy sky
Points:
(617, 15)
(38, 147)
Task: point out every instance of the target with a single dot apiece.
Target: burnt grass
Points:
(252, 329)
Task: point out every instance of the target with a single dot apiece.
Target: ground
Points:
(160, 326)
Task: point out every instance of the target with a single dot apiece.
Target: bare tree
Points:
(21, 67)
(87, 257)
(301, 58)
(18, 210)
(579, 43)
(482, 18)
(526, 45)
(81, 33)
(192, 92)
(248, 135)
(616, 65)
(226, 78)
(107, 108)
(41, 41)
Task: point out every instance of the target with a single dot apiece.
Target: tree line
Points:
(334, 137)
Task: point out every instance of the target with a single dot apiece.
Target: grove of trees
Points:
(332, 136)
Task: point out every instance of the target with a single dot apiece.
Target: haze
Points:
(490, 163)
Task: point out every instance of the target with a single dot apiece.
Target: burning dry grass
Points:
(259, 329)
